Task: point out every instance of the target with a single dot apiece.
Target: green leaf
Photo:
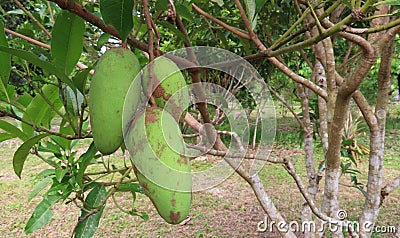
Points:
(184, 12)
(22, 153)
(5, 59)
(60, 173)
(67, 41)
(173, 29)
(161, 5)
(87, 227)
(39, 111)
(40, 186)
(251, 12)
(6, 136)
(80, 80)
(60, 190)
(388, 2)
(74, 101)
(5, 91)
(260, 4)
(103, 39)
(45, 173)
(119, 14)
(13, 130)
(41, 215)
(50, 147)
(31, 58)
(130, 187)
(84, 161)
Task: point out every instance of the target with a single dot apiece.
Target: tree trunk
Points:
(377, 143)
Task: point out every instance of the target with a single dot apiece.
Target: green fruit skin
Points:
(115, 71)
(163, 172)
(172, 81)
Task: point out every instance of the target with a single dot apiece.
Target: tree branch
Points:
(389, 188)
(19, 4)
(221, 23)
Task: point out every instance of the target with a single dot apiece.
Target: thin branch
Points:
(341, 223)
(227, 154)
(149, 29)
(280, 98)
(389, 188)
(43, 129)
(50, 12)
(19, 4)
(221, 23)
(41, 44)
(36, 42)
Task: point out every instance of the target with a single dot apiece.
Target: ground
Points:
(228, 210)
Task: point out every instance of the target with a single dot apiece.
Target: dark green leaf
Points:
(173, 29)
(28, 56)
(67, 41)
(361, 189)
(161, 5)
(50, 147)
(13, 130)
(22, 153)
(103, 39)
(74, 100)
(84, 161)
(45, 173)
(184, 12)
(119, 14)
(80, 80)
(5, 59)
(259, 5)
(130, 187)
(61, 190)
(41, 215)
(87, 227)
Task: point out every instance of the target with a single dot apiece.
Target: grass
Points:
(229, 210)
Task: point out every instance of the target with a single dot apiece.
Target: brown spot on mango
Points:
(174, 217)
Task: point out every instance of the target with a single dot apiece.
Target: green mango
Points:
(167, 84)
(156, 149)
(115, 72)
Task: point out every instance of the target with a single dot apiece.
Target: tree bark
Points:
(312, 187)
(377, 142)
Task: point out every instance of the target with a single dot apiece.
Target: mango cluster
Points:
(153, 137)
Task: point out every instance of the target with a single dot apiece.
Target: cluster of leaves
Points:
(46, 96)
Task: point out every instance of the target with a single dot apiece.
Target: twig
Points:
(390, 187)
(227, 154)
(32, 17)
(102, 203)
(290, 168)
(50, 12)
(41, 44)
(280, 98)
(221, 23)
(43, 129)
(149, 29)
